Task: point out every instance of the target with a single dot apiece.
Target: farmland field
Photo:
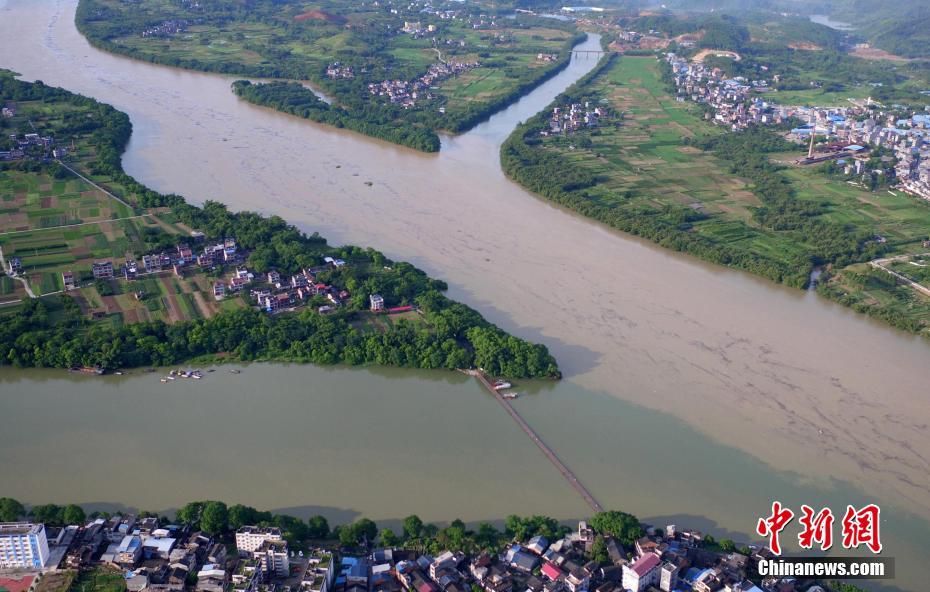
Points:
(32, 201)
(634, 166)
(292, 41)
(641, 161)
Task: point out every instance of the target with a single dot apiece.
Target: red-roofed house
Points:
(644, 572)
(551, 571)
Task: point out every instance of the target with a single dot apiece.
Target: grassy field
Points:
(99, 580)
(56, 581)
(50, 251)
(818, 97)
(382, 323)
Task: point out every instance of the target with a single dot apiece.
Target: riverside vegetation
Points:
(369, 43)
(662, 173)
(58, 331)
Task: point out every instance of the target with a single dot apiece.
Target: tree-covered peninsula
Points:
(103, 272)
(296, 99)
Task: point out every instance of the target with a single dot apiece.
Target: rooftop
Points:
(272, 530)
(15, 528)
(645, 563)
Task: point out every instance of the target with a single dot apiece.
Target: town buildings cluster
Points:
(846, 134)
(566, 119)
(166, 28)
(337, 70)
(166, 558)
(407, 93)
(271, 291)
(31, 145)
(156, 557)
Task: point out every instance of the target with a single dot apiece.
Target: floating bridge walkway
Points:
(550, 454)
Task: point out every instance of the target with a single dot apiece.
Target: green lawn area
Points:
(99, 580)
(818, 96)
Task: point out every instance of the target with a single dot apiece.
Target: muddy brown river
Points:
(692, 392)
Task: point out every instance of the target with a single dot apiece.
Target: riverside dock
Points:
(546, 450)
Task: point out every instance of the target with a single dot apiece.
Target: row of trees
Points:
(12, 510)
(54, 333)
(218, 519)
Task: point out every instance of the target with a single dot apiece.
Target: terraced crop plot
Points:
(46, 253)
(641, 161)
(644, 155)
(31, 201)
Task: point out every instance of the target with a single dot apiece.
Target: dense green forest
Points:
(52, 332)
(719, 31)
(296, 99)
(901, 27)
(803, 54)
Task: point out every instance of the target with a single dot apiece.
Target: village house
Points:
(102, 270)
(67, 278)
(376, 302)
(14, 266)
(129, 551)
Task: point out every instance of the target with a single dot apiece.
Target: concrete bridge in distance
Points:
(594, 53)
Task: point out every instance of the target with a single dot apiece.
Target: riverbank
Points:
(204, 281)
(648, 166)
(486, 63)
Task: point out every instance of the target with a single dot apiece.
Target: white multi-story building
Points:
(643, 573)
(668, 577)
(273, 558)
(23, 545)
(251, 538)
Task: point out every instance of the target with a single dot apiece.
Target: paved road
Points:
(24, 281)
(72, 225)
(86, 180)
(880, 264)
